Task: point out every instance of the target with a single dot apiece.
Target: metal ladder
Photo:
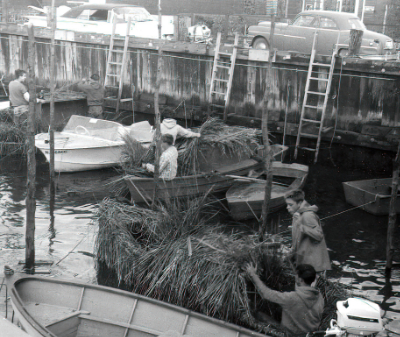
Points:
(115, 69)
(222, 74)
(307, 107)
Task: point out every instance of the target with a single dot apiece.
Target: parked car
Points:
(98, 18)
(298, 35)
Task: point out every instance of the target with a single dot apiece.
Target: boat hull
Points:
(372, 195)
(84, 159)
(246, 199)
(56, 308)
(143, 189)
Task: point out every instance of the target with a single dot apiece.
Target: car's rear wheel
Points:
(343, 52)
(260, 43)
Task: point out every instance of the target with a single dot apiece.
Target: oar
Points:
(247, 179)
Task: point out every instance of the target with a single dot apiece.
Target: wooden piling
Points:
(392, 215)
(52, 89)
(31, 161)
(267, 148)
(156, 101)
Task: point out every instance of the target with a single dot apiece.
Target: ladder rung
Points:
(219, 93)
(225, 67)
(308, 149)
(112, 86)
(312, 106)
(321, 65)
(113, 75)
(319, 79)
(310, 135)
(316, 93)
(126, 99)
(311, 121)
(221, 80)
(118, 38)
(117, 51)
(119, 63)
(226, 54)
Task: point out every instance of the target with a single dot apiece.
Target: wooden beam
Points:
(52, 90)
(31, 179)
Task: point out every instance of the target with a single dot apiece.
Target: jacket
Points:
(169, 126)
(308, 242)
(94, 91)
(301, 309)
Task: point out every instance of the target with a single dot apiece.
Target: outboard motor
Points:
(357, 317)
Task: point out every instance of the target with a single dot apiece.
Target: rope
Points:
(351, 209)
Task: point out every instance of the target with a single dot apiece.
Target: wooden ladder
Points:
(222, 75)
(307, 107)
(115, 68)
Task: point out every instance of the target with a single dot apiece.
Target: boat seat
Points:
(73, 314)
(67, 325)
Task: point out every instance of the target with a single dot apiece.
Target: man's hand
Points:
(39, 100)
(198, 135)
(144, 165)
(250, 269)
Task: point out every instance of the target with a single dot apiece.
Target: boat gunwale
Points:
(355, 186)
(41, 329)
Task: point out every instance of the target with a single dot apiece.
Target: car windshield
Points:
(305, 21)
(135, 13)
(355, 23)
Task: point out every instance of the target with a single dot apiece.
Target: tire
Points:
(260, 43)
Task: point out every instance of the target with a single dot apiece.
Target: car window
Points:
(355, 23)
(327, 23)
(306, 21)
(99, 15)
(84, 15)
(135, 13)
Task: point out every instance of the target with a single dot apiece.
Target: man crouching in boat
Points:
(168, 159)
(301, 309)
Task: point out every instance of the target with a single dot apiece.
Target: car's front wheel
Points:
(260, 43)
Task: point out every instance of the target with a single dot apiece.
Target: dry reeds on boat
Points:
(229, 140)
(133, 155)
(177, 254)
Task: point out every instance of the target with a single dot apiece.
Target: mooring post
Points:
(392, 215)
(156, 104)
(31, 161)
(267, 148)
(52, 89)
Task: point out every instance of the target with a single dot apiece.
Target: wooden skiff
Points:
(245, 199)
(59, 308)
(216, 180)
(372, 194)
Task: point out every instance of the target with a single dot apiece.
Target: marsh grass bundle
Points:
(177, 253)
(229, 140)
(12, 139)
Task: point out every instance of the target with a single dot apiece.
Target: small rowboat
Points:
(372, 195)
(60, 308)
(245, 198)
(142, 189)
(215, 180)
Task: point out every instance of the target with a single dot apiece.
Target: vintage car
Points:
(98, 18)
(298, 35)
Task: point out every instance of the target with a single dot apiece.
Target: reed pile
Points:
(12, 137)
(229, 140)
(179, 253)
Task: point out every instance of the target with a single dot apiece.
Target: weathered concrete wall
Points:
(362, 94)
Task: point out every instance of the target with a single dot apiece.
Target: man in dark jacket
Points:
(308, 242)
(95, 95)
(301, 309)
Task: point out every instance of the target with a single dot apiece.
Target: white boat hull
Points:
(85, 159)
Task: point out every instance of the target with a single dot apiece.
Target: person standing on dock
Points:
(95, 95)
(168, 159)
(301, 309)
(308, 242)
(170, 126)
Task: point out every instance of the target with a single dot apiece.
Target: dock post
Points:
(267, 148)
(156, 104)
(392, 215)
(31, 161)
(52, 89)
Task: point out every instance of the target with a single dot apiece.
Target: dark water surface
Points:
(356, 239)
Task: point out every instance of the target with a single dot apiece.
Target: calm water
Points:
(357, 240)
